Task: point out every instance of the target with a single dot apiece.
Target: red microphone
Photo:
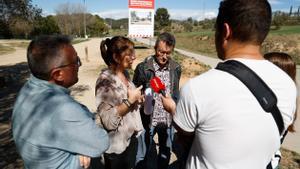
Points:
(157, 85)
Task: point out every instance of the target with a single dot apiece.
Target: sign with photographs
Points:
(141, 18)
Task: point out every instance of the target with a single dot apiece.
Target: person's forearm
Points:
(169, 104)
(123, 109)
(173, 110)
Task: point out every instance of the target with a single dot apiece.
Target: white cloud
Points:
(182, 14)
(275, 2)
(46, 13)
(115, 14)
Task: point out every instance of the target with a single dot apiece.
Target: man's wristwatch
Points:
(126, 101)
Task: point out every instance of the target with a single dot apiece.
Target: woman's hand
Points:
(141, 99)
(134, 95)
(168, 103)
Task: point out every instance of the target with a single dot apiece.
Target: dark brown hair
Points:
(43, 52)
(115, 46)
(249, 20)
(283, 61)
(287, 64)
(166, 37)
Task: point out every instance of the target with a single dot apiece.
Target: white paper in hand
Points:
(148, 106)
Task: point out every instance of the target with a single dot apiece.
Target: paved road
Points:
(212, 62)
(291, 141)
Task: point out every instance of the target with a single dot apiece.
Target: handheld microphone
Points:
(157, 85)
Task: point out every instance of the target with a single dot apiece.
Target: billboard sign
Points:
(141, 18)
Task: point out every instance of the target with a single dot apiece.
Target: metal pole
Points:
(84, 21)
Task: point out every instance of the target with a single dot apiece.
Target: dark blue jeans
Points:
(147, 156)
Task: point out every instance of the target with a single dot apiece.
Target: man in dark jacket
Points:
(159, 121)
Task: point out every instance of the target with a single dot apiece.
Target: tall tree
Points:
(97, 26)
(13, 11)
(45, 25)
(162, 19)
(190, 20)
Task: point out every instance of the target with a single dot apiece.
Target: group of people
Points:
(218, 122)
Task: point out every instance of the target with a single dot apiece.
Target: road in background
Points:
(212, 62)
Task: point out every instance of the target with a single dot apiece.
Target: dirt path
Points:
(88, 72)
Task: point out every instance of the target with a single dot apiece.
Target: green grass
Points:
(284, 40)
(6, 49)
(204, 32)
(286, 30)
(117, 32)
(198, 42)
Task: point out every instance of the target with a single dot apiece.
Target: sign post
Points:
(141, 18)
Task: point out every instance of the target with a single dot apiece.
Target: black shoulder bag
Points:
(264, 95)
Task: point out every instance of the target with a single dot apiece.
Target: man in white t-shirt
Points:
(228, 126)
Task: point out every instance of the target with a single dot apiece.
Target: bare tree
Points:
(62, 16)
(77, 18)
(21, 28)
(70, 18)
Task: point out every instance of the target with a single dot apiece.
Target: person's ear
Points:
(227, 33)
(57, 75)
(116, 59)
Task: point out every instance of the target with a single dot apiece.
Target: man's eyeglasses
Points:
(168, 53)
(77, 63)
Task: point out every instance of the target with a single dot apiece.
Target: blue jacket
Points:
(50, 128)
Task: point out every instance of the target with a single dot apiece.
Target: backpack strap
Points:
(264, 95)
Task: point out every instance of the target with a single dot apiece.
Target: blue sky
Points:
(178, 9)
